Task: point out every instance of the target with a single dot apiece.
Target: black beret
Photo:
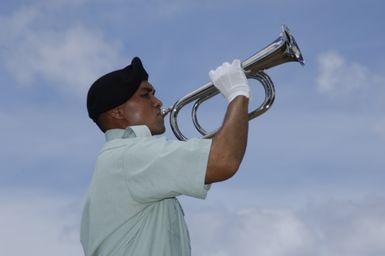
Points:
(115, 88)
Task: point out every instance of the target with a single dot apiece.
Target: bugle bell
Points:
(283, 49)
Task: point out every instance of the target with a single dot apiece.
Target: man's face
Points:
(143, 108)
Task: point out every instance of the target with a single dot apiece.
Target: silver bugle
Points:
(283, 49)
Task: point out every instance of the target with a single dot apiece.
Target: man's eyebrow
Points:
(149, 89)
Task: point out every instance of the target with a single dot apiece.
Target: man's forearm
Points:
(229, 143)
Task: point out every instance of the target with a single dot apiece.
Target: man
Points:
(131, 206)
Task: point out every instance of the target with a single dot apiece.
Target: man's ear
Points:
(117, 113)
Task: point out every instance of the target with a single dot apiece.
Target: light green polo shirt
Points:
(131, 207)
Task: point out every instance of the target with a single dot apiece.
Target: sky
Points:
(312, 180)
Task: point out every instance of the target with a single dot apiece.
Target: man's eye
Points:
(146, 95)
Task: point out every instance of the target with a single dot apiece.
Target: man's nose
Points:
(157, 102)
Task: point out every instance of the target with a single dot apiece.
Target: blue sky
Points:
(312, 178)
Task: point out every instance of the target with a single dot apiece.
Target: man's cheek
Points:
(135, 116)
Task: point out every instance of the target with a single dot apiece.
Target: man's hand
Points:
(230, 80)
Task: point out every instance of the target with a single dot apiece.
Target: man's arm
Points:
(229, 143)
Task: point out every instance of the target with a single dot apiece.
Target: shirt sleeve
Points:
(157, 168)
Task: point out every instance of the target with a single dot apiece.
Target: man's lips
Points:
(159, 114)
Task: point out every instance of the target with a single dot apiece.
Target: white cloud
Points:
(355, 86)
(255, 231)
(68, 58)
(48, 224)
(36, 223)
(328, 229)
(338, 77)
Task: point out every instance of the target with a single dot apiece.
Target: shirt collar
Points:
(129, 132)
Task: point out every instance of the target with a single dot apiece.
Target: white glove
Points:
(230, 80)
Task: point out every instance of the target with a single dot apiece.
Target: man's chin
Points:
(158, 131)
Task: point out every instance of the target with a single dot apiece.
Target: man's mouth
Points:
(159, 114)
